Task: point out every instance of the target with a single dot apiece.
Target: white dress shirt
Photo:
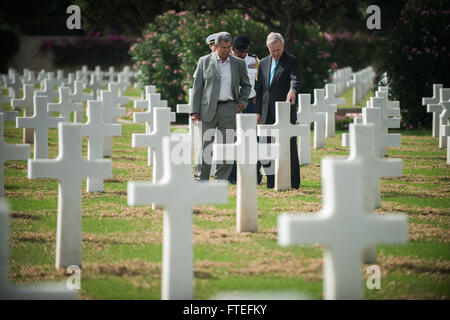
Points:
(252, 70)
(225, 78)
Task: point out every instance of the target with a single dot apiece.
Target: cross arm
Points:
(392, 228)
(304, 229)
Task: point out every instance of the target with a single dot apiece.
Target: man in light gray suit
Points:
(221, 89)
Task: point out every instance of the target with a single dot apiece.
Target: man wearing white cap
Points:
(211, 41)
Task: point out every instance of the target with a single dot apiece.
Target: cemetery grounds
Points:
(122, 246)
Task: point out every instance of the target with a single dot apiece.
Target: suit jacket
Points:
(206, 88)
(286, 77)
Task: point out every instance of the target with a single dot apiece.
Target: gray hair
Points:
(274, 37)
(223, 37)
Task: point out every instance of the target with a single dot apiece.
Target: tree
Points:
(280, 16)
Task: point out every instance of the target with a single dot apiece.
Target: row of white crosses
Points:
(322, 114)
(69, 168)
(346, 225)
(439, 104)
(383, 114)
(345, 215)
(362, 82)
(342, 79)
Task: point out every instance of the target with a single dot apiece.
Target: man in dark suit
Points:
(278, 80)
(221, 89)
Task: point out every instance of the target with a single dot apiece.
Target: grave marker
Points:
(177, 265)
(40, 122)
(70, 169)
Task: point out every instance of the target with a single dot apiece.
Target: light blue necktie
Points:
(272, 71)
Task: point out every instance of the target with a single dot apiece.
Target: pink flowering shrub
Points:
(418, 55)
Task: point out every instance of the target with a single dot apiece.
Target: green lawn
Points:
(122, 245)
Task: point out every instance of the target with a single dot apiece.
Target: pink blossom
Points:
(180, 54)
(246, 17)
(154, 64)
(198, 44)
(144, 62)
(185, 87)
(156, 59)
(166, 67)
(327, 36)
(175, 71)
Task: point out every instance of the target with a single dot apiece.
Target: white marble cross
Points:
(8, 115)
(444, 118)
(445, 130)
(15, 85)
(195, 130)
(330, 99)
(95, 129)
(65, 106)
(344, 226)
(117, 100)
(306, 116)
(48, 90)
(143, 104)
(362, 152)
(320, 127)
(246, 151)
(110, 74)
(375, 115)
(161, 118)
(10, 152)
(345, 138)
(153, 101)
(10, 292)
(110, 115)
(84, 73)
(80, 96)
(96, 84)
(41, 121)
(177, 261)
(444, 95)
(60, 79)
(70, 169)
(123, 82)
(282, 130)
(434, 100)
(26, 103)
(69, 83)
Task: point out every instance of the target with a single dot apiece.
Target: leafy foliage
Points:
(418, 56)
(168, 52)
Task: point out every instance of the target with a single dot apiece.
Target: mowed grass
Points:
(122, 246)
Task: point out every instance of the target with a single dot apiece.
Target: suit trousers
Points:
(224, 126)
(269, 166)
